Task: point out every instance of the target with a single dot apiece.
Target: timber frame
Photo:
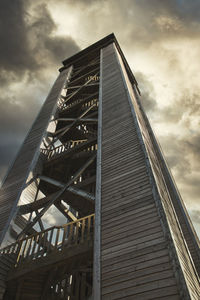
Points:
(92, 158)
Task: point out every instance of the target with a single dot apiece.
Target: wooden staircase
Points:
(49, 264)
(70, 148)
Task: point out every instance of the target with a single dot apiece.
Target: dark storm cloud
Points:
(48, 48)
(14, 51)
(195, 214)
(155, 21)
(24, 36)
(84, 2)
(57, 47)
(14, 123)
(183, 156)
(187, 10)
(13, 111)
(147, 92)
(28, 49)
(183, 159)
(191, 145)
(175, 155)
(174, 148)
(188, 103)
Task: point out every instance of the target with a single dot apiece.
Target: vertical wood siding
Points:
(27, 156)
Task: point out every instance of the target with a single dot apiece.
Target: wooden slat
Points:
(134, 258)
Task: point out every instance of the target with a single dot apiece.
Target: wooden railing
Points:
(60, 149)
(54, 239)
(64, 106)
(93, 102)
(63, 148)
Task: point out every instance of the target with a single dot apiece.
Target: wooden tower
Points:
(92, 155)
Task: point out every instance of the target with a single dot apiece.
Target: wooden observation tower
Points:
(92, 155)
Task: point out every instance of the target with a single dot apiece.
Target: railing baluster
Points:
(83, 231)
(29, 247)
(15, 248)
(57, 237)
(89, 225)
(50, 239)
(26, 242)
(70, 233)
(44, 243)
(22, 250)
(35, 239)
(35, 246)
(76, 232)
(64, 236)
(39, 244)
(19, 250)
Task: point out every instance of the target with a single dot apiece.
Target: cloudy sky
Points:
(161, 42)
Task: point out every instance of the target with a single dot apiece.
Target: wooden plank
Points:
(134, 230)
(130, 221)
(141, 254)
(117, 217)
(129, 237)
(143, 278)
(134, 290)
(132, 238)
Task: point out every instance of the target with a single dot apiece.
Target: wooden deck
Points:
(67, 248)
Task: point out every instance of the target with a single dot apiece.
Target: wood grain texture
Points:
(27, 156)
(187, 228)
(135, 260)
(187, 273)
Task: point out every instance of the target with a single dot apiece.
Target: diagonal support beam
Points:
(58, 194)
(68, 127)
(65, 211)
(81, 101)
(71, 151)
(94, 62)
(71, 189)
(88, 120)
(31, 181)
(30, 207)
(85, 84)
(78, 86)
(85, 75)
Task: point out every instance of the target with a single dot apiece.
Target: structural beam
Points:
(58, 194)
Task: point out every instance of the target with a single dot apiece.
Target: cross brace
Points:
(57, 194)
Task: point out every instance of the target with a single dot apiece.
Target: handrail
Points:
(63, 106)
(62, 148)
(50, 240)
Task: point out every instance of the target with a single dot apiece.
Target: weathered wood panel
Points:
(6, 263)
(27, 156)
(187, 277)
(187, 228)
(135, 263)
